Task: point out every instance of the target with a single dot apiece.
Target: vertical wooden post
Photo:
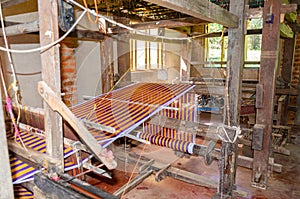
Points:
(107, 67)
(234, 75)
(6, 187)
(287, 68)
(48, 17)
(265, 93)
(297, 119)
(124, 56)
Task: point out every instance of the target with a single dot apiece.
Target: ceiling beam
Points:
(9, 3)
(188, 21)
(200, 9)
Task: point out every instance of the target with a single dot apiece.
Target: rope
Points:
(139, 159)
(226, 138)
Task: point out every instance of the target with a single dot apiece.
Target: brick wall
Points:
(68, 73)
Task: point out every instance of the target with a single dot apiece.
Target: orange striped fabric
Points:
(125, 109)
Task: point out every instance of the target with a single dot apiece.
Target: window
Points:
(146, 55)
(253, 43)
(216, 47)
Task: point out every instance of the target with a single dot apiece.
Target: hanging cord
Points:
(14, 84)
(89, 14)
(133, 171)
(11, 114)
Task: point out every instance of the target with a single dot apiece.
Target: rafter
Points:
(204, 10)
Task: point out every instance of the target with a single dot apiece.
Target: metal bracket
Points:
(65, 15)
(57, 105)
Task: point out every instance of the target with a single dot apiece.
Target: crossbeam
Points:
(57, 105)
(200, 9)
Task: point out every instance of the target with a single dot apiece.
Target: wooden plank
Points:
(21, 29)
(6, 187)
(187, 21)
(123, 54)
(297, 119)
(10, 3)
(40, 159)
(258, 12)
(286, 91)
(267, 76)
(233, 97)
(48, 21)
(107, 67)
(287, 66)
(57, 105)
(204, 10)
(247, 162)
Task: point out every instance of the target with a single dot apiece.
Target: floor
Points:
(281, 185)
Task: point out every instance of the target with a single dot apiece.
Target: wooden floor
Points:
(281, 185)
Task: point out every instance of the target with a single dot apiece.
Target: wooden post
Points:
(124, 56)
(287, 68)
(6, 187)
(107, 68)
(48, 21)
(234, 75)
(265, 93)
(297, 119)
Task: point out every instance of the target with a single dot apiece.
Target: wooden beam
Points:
(188, 21)
(10, 3)
(48, 21)
(6, 187)
(40, 159)
(288, 56)
(58, 106)
(233, 98)
(200, 9)
(107, 70)
(21, 29)
(267, 76)
(251, 13)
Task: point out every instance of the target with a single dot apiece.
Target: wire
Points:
(49, 45)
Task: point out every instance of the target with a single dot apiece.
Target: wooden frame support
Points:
(58, 106)
(48, 22)
(235, 63)
(6, 187)
(204, 10)
(267, 76)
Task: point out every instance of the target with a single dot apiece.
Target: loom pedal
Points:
(210, 147)
(161, 174)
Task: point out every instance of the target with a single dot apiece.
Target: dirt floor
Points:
(285, 185)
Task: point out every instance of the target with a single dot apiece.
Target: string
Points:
(133, 171)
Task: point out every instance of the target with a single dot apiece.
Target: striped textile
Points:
(178, 145)
(168, 132)
(185, 108)
(22, 193)
(37, 142)
(182, 109)
(21, 171)
(126, 108)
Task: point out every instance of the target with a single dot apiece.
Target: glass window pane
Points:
(153, 55)
(253, 47)
(140, 55)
